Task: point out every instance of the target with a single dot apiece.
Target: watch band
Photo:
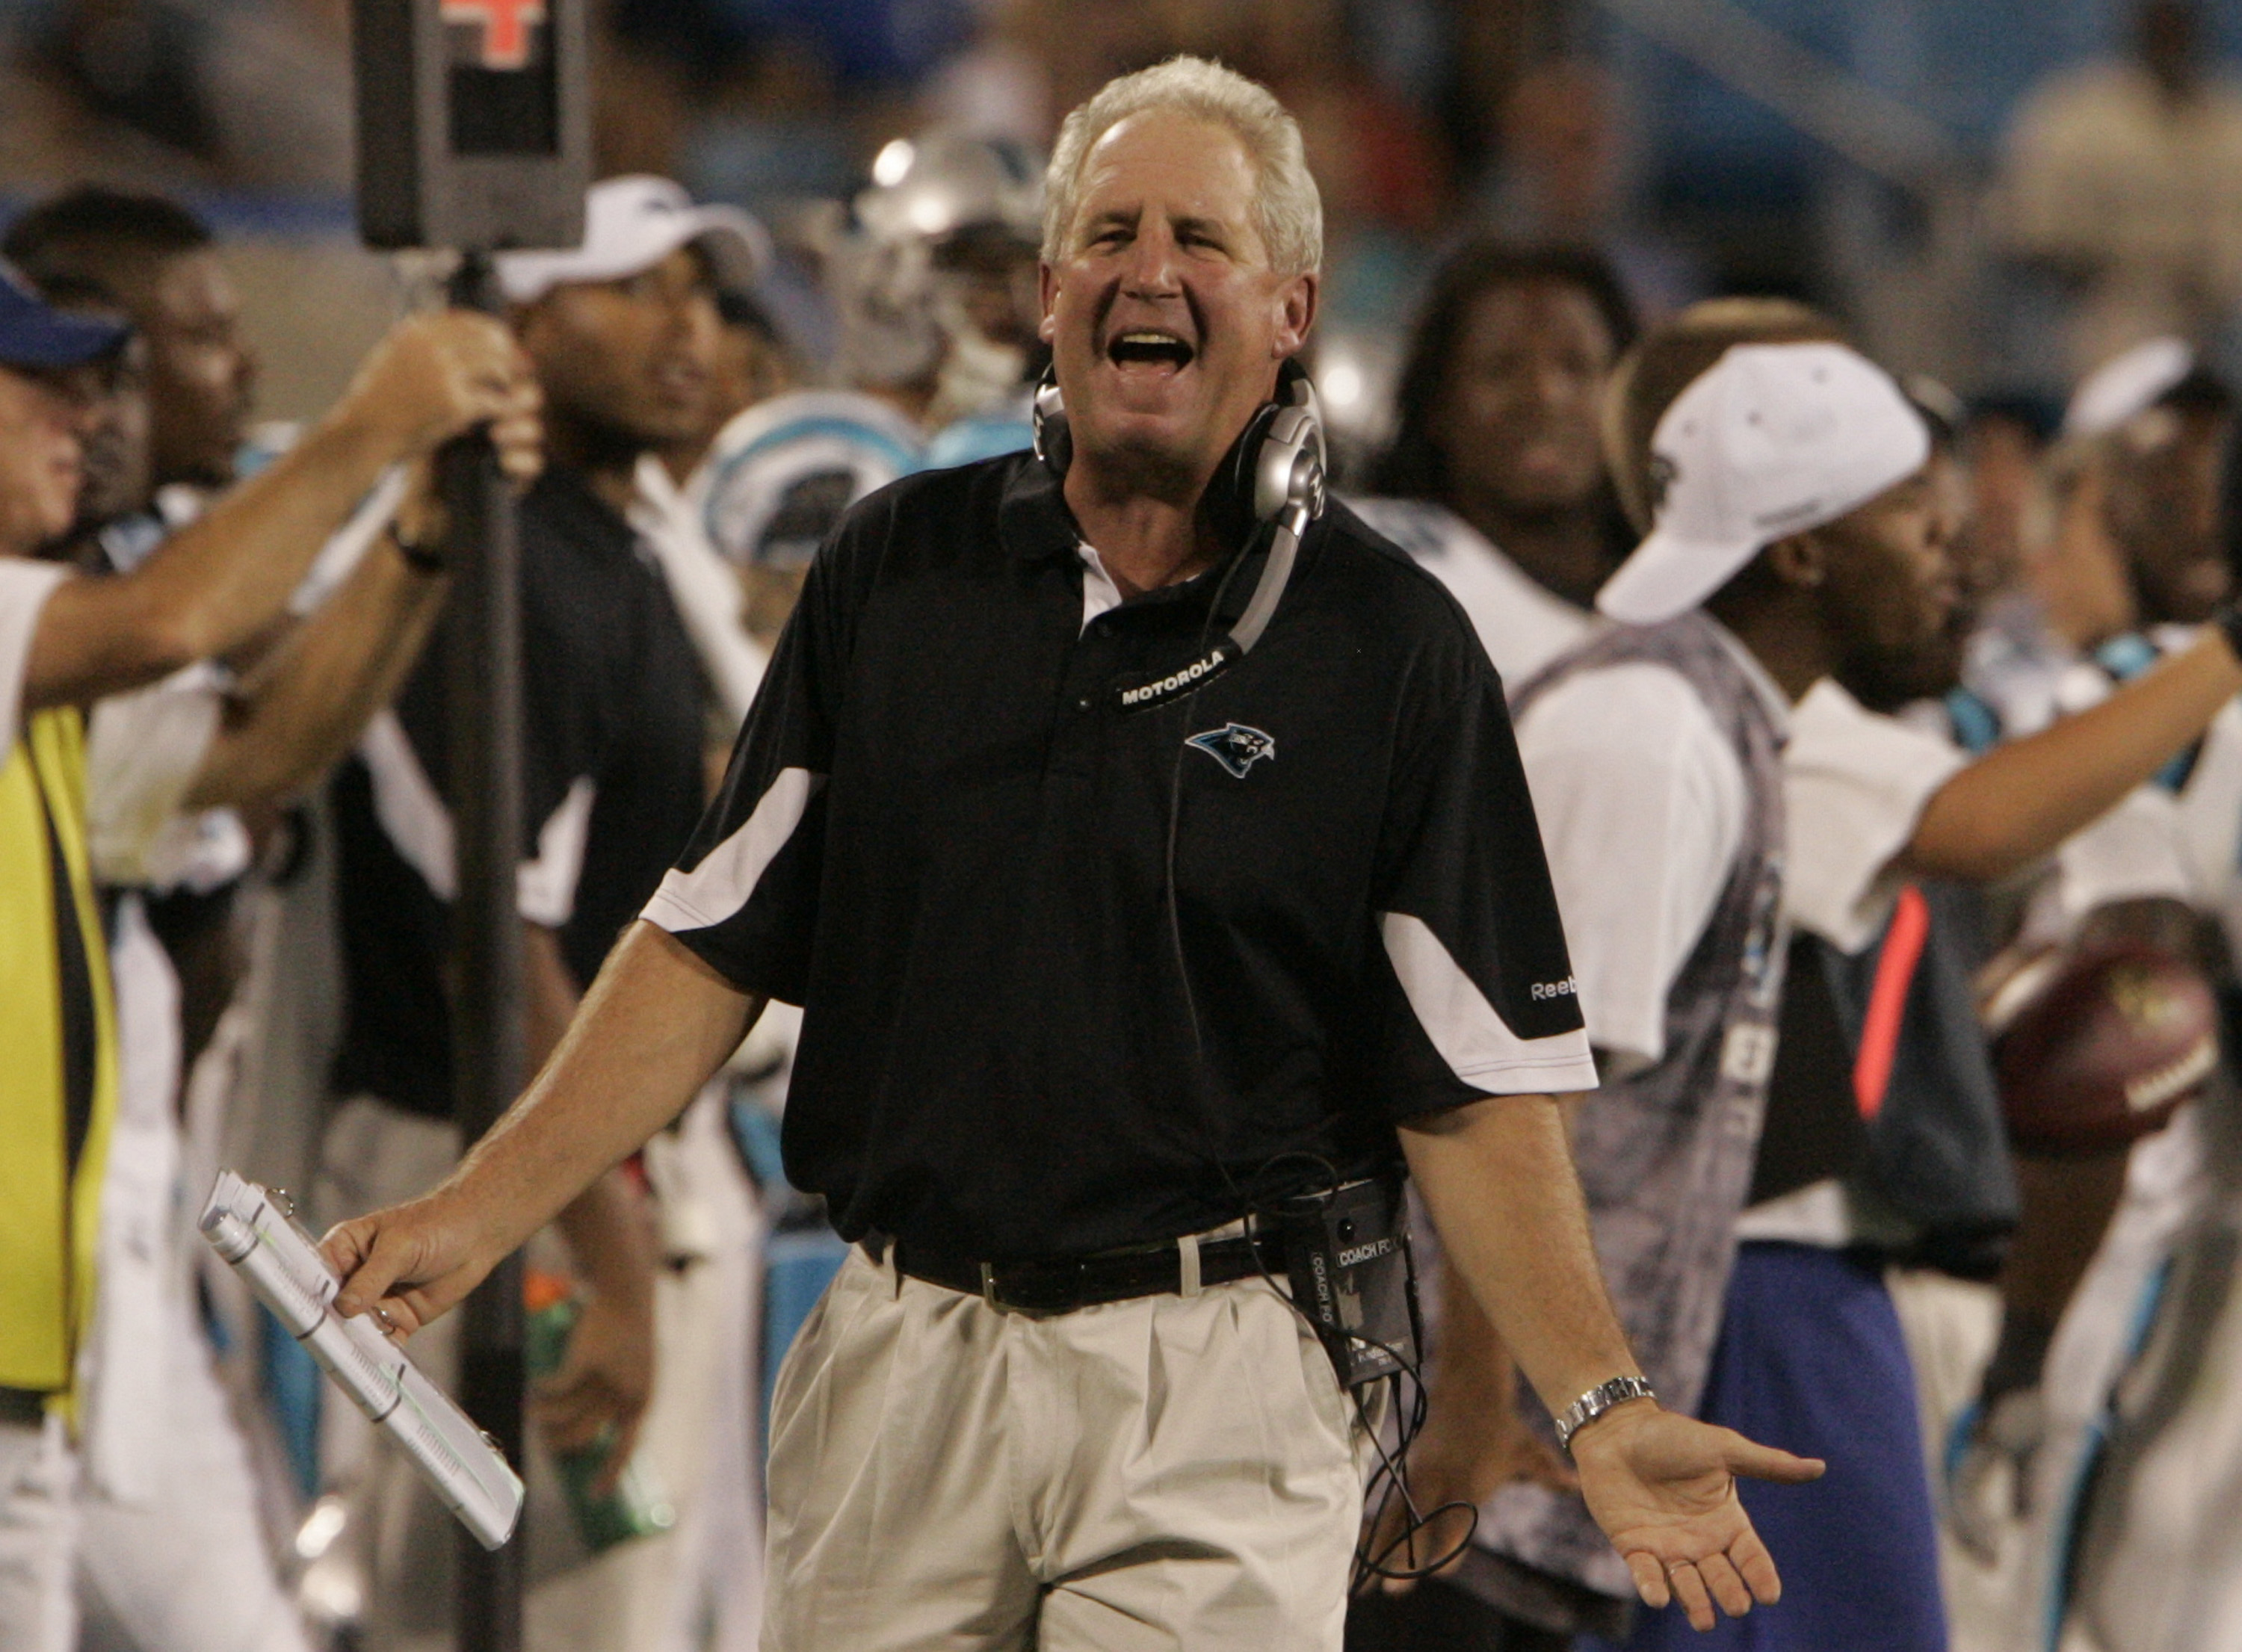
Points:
(419, 556)
(1597, 1402)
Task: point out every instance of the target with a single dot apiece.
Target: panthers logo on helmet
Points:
(1237, 747)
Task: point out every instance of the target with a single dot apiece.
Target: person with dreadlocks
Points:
(1494, 480)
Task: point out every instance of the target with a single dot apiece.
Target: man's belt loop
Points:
(880, 1251)
(1187, 1256)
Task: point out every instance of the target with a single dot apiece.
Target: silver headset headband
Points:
(1288, 485)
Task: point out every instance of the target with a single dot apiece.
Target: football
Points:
(2100, 1045)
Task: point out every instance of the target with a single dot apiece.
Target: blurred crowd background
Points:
(2002, 192)
(1998, 195)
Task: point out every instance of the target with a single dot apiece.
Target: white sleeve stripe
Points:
(1470, 1033)
(545, 889)
(727, 878)
(411, 813)
(419, 825)
(703, 588)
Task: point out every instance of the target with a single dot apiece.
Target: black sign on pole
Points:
(474, 134)
(474, 123)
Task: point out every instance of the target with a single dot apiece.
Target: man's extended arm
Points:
(2020, 800)
(656, 1023)
(298, 709)
(1498, 1177)
(220, 581)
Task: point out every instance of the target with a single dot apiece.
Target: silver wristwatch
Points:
(1597, 1402)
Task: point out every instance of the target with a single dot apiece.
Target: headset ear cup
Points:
(1229, 503)
(1236, 501)
(1288, 467)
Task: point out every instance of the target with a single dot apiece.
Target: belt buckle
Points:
(995, 1299)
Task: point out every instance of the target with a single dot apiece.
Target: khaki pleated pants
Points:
(1169, 1472)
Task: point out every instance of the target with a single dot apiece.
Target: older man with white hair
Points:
(1148, 848)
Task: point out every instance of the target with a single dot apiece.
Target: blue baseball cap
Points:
(34, 334)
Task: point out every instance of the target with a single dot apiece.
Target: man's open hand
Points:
(1664, 1489)
(412, 1262)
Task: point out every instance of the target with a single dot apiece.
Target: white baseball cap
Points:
(2127, 386)
(1772, 439)
(632, 223)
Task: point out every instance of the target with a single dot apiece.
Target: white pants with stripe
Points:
(172, 1553)
(1165, 1472)
(39, 1536)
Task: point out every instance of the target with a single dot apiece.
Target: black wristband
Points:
(419, 557)
(2228, 617)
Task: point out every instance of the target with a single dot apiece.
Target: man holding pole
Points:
(65, 641)
(622, 330)
(1107, 939)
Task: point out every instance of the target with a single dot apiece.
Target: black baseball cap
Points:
(35, 335)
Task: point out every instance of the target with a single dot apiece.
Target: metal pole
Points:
(483, 719)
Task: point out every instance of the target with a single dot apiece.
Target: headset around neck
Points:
(1274, 476)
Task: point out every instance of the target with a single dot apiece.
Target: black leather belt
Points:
(23, 1408)
(1061, 1285)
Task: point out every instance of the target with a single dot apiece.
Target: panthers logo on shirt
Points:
(1237, 747)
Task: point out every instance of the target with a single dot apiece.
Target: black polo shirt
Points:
(944, 836)
(611, 779)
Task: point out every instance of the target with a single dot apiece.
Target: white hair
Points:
(1288, 210)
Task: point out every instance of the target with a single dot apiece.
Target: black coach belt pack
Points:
(1347, 1252)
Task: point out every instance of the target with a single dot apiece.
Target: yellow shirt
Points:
(49, 1200)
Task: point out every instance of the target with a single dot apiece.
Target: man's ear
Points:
(1800, 559)
(1296, 314)
(1047, 292)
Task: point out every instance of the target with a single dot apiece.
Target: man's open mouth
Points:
(1146, 347)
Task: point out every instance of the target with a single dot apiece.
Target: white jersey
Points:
(2128, 1548)
(781, 472)
(145, 747)
(1521, 625)
(704, 587)
(2159, 1563)
(2026, 680)
(2107, 1343)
